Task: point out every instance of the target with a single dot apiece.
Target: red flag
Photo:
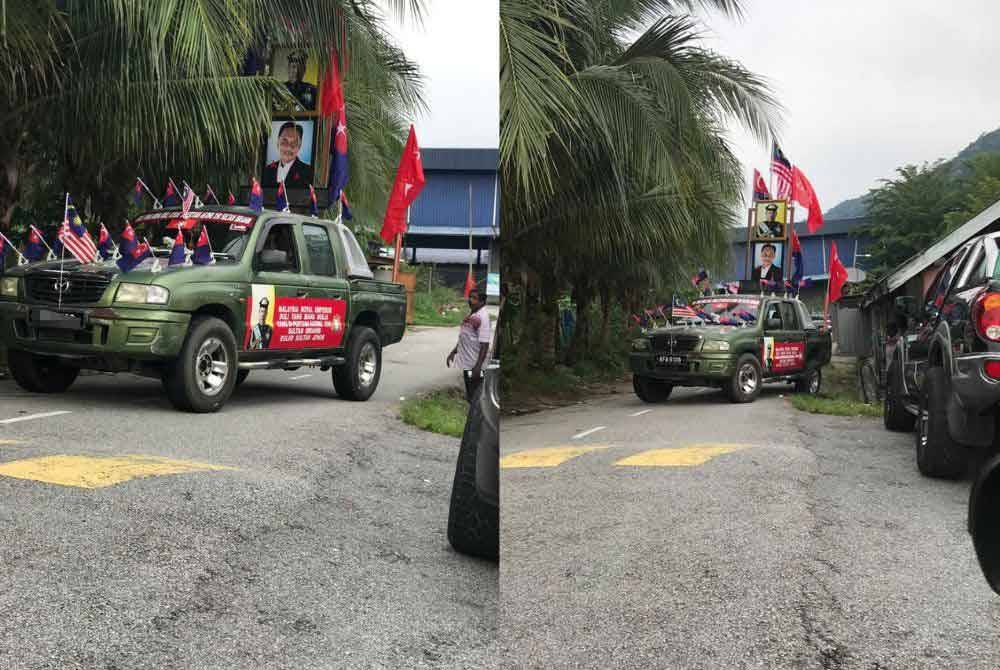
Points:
(838, 275)
(760, 191)
(409, 182)
(470, 283)
(231, 200)
(332, 95)
(803, 193)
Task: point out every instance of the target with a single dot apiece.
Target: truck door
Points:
(328, 302)
(784, 342)
(273, 319)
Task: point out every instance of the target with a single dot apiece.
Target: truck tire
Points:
(894, 414)
(651, 390)
(40, 374)
(938, 455)
(358, 378)
(473, 523)
(203, 376)
(241, 376)
(744, 386)
(810, 382)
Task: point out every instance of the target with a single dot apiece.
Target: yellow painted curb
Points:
(546, 457)
(91, 472)
(696, 454)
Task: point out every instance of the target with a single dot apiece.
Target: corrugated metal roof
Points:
(460, 160)
(444, 203)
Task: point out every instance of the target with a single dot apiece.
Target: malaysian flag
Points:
(681, 309)
(781, 168)
(74, 236)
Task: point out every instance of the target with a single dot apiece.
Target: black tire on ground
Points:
(40, 374)
(868, 382)
(358, 378)
(203, 375)
(473, 523)
(241, 376)
(894, 414)
(651, 390)
(744, 386)
(810, 382)
(938, 455)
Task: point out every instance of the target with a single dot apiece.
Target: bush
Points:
(441, 412)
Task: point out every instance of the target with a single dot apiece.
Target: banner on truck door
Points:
(276, 322)
(783, 356)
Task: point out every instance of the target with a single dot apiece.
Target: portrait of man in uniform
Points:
(289, 152)
(260, 337)
(770, 222)
(292, 66)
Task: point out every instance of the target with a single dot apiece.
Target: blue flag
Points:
(35, 249)
(346, 208)
(203, 249)
(177, 253)
(130, 261)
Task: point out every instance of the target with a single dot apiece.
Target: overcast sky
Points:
(868, 85)
(458, 51)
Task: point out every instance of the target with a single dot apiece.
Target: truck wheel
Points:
(937, 454)
(40, 374)
(204, 374)
(894, 414)
(358, 378)
(241, 376)
(746, 381)
(473, 524)
(810, 382)
(651, 390)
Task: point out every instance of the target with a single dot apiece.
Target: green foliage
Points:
(441, 412)
(837, 405)
(440, 307)
(923, 204)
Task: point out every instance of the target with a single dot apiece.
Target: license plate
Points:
(49, 319)
(670, 360)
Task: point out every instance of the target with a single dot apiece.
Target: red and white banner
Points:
(785, 356)
(275, 322)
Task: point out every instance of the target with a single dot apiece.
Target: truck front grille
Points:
(77, 288)
(680, 343)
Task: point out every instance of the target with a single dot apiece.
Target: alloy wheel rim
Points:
(814, 383)
(367, 365)
(924, 425)
(211, 367)
(748, 379)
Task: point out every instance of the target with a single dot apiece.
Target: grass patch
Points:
(441, 412)
(438, 307)
(837, 405)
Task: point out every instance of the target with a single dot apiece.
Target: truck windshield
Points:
(727, 311)
(227, 233)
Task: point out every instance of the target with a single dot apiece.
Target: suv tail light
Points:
(986, 315)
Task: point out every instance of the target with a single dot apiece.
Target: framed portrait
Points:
(289, 153)
(300, 72)
(770, 220)
(767, 259)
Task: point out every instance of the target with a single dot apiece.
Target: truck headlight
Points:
(142, 294)
(641, 344)
(715, 345)
(9, 286)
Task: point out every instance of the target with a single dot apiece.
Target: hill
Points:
(985, 143)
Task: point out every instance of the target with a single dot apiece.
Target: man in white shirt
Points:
(473, 343)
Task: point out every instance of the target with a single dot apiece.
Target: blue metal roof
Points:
(444, 203)
(460, 160)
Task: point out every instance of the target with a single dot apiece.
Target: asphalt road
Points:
(320, 545)
(799, 541)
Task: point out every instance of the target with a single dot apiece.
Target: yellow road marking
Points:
(696, 454)
(4, 443)
(91, 472)
(546, 457)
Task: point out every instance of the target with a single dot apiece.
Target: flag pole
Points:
(399, 250)
(11, 244)
(42, 238)
(156, 201)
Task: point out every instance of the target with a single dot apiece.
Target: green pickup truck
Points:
(733, 342)
(283, 291)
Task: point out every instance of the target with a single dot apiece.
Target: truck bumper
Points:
(698, 370)
(108, 338)
(975, 390)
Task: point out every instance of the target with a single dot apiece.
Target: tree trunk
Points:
(605, 315)
(548, 316)
(583, 296)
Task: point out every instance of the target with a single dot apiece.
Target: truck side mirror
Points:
(772, 324)
(984, 521)
(273, 260)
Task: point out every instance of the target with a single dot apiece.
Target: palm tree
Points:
(612, 152)
(100, 90)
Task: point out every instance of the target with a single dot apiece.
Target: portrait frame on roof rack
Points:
(770, 221)
(300, 72)
(289, 153)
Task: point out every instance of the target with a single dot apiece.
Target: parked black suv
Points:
(944, 376)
